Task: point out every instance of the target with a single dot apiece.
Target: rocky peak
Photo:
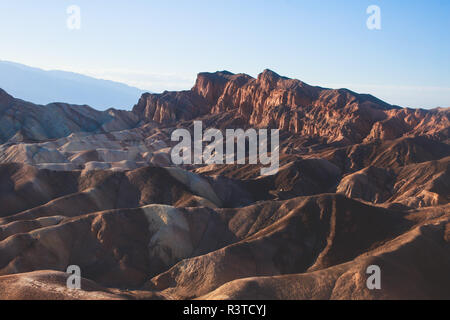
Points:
(211, 85)
(268, 76)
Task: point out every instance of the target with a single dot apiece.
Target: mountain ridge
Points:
(288, 104)
(52, 86)
(272, 101)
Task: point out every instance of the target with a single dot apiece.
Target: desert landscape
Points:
(360, 183)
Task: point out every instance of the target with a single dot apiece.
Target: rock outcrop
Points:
(291, 105)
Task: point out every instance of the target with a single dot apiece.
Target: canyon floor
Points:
(360, 183)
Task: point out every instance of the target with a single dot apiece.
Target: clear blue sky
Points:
(158, 45)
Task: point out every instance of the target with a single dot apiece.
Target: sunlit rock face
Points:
(271, 100)
(360, 183)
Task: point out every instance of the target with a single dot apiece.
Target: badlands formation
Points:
(360, 183)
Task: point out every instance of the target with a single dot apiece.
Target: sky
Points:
(162, 45)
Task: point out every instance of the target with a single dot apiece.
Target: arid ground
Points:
(360, 183)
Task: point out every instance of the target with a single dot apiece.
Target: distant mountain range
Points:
(43, 87)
